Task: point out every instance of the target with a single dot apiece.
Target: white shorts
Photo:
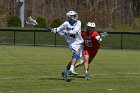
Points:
(77, 47)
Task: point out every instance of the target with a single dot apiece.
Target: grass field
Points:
(28, 69)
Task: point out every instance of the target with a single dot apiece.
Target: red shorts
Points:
(92, 53)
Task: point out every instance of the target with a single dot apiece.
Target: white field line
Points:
(68, 89)
(117, 73)
(8, 78)
(132, 73)
(110, 89)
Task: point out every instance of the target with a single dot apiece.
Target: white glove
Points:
(99, 38)
(62, 33)
(54, 30)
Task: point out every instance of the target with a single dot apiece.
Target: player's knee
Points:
(86, 60)
(76, 56)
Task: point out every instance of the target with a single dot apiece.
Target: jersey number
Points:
(88, 43)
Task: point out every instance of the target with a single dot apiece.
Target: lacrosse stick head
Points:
(104, 34)
(31, 21)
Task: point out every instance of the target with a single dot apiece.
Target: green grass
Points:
(28, 69)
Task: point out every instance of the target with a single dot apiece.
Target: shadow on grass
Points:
(70, 78)
(77, 76)
(55, 78)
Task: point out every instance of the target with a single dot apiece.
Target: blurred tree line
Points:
(106, 13)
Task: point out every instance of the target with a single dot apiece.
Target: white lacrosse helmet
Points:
(72, 15)
(91, 24)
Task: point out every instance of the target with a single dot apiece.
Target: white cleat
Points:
(79, 63)
(72, 72)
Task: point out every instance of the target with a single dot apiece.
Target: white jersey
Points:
(75, 32)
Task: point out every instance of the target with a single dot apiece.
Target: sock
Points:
(86, 71)
(72, 68)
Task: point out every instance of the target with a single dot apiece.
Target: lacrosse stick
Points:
(31, 21)
(104, 34)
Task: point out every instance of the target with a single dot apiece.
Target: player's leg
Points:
(89, 56)
(70, 67)
(81, 61)
(64, 73)
(87, 61)
(86, 66)
(91, 53)
(76, 55)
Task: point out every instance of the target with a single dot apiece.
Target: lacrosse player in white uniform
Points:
(71, 30)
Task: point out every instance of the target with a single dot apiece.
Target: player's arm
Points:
(62, 33)
(59, 29)
(100, 36)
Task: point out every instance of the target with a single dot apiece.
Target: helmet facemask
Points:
(90, 29)
(90, 26)
(73, 17)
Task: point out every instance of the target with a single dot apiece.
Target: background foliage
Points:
(56, 22)
(42, 22)
(105, 13)
(13, 21)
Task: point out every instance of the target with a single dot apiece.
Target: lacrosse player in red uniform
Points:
(92, 41)
(91, 44)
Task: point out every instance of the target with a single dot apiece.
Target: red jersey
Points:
(90, 41)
